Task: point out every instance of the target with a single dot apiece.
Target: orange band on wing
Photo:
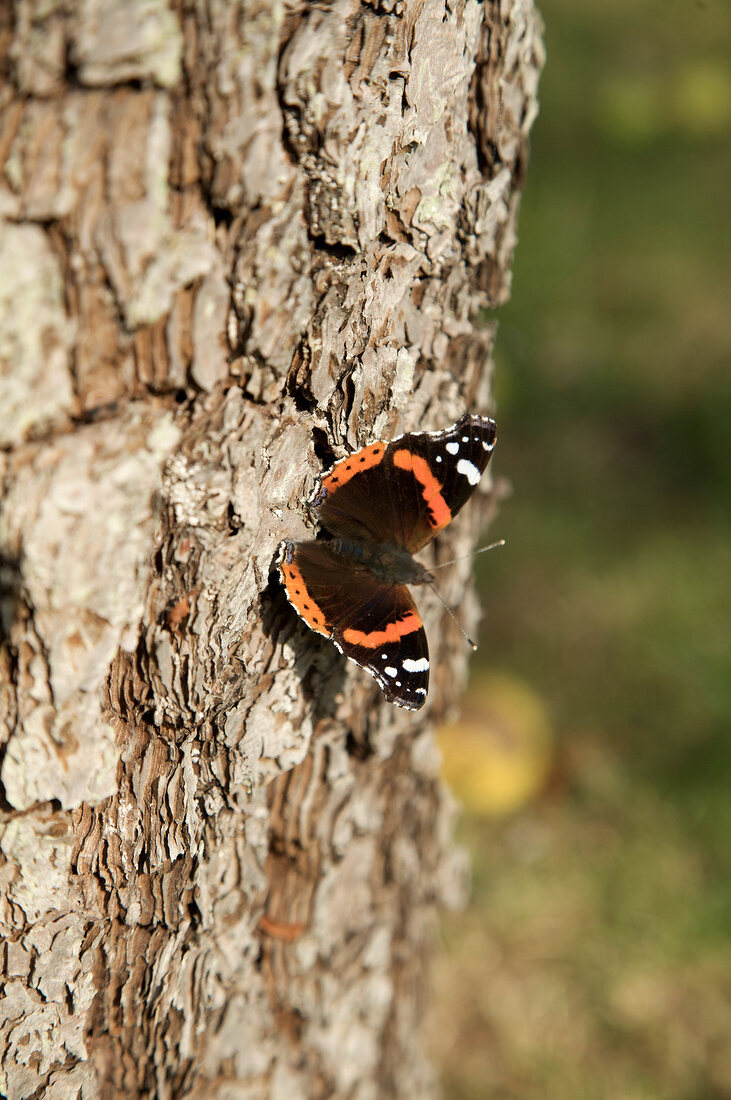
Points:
(392, 633)
(300, 599)
(348, 467)
(432, 488)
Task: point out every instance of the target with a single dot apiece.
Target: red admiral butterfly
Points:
(380, 505)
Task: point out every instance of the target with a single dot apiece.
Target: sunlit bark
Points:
(236, 240)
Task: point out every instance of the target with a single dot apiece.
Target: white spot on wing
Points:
(465, 439)
(487, 446)
(419, 691)
(415, 666)
(469, 470)
(453, 448)
(390, 671)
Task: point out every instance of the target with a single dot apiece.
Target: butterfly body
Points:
(384, 560)
(381, 505)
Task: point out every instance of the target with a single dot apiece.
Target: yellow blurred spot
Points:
(702, 100)
(694, 101)
(497, 757)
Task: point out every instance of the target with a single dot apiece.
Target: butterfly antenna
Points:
(482, 550)
(437, 593)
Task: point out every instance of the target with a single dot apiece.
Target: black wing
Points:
(407, 491)
(373, 623)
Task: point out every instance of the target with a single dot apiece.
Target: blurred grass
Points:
(595, 958)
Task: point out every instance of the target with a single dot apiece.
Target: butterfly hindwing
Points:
(374, 623)
(407, 491)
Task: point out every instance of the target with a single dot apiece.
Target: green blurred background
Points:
(593, 759)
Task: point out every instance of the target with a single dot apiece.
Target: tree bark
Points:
(237, 240)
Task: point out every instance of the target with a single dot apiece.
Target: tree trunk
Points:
(237, 240)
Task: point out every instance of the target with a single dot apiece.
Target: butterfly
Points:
(380, 505)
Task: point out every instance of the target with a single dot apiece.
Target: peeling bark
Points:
(236, 240)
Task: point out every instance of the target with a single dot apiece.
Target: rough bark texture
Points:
(236, 240)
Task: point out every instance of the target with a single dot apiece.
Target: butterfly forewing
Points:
(407, 491)
(446, 466)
